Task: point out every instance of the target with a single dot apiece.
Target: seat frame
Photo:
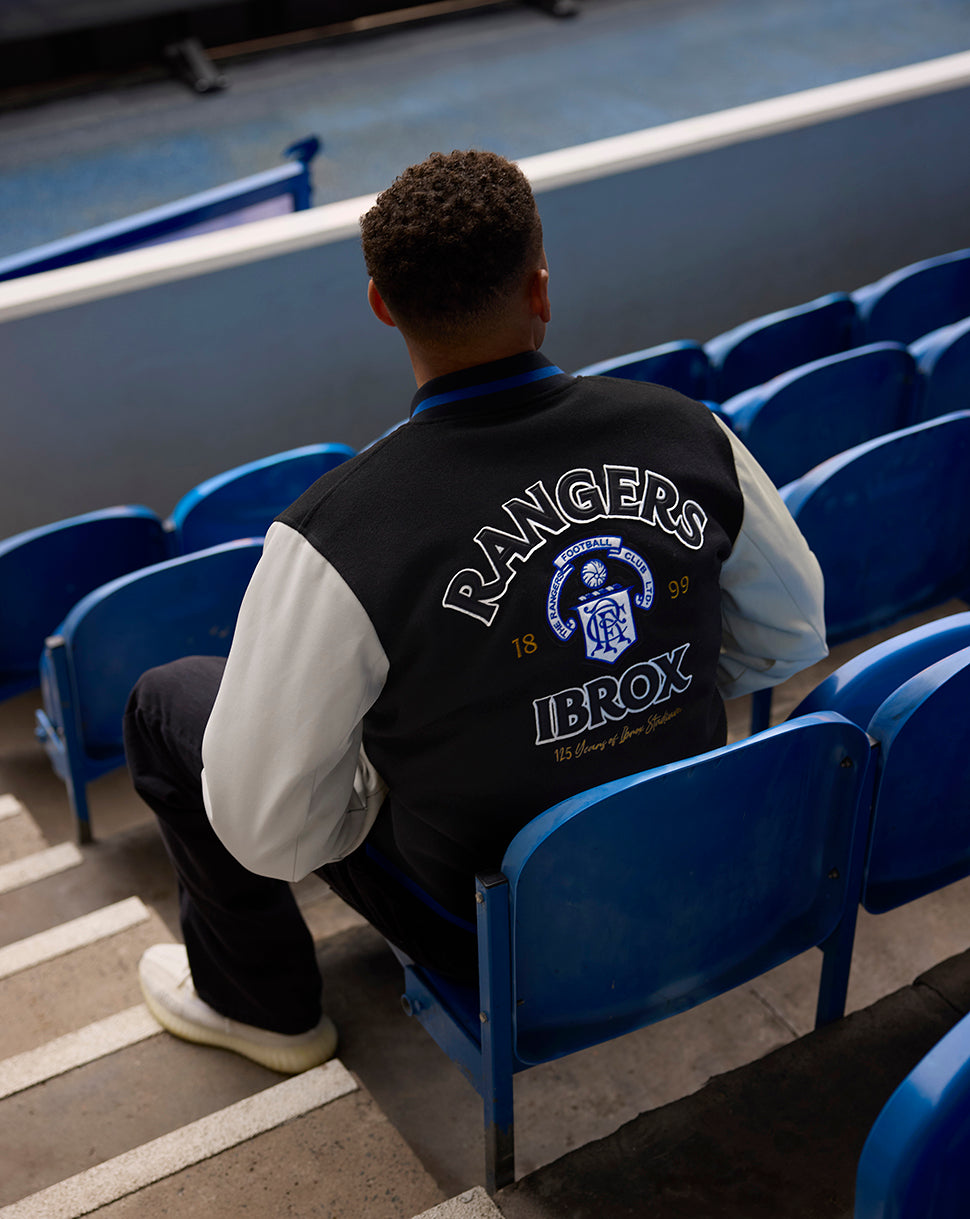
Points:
(480, 1028)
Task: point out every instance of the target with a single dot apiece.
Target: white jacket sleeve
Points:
(772, 593)
(286, 784)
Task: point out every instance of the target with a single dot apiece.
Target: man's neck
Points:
(429, 363)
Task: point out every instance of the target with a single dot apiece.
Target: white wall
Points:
(131, 379)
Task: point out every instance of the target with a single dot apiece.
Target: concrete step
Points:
(82, 1165)
(101, 1112)
(71, 975)
(291, 1147)
(20, 834)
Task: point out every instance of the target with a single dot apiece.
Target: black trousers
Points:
(251, 953)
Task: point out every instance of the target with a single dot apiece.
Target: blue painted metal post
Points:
(304, 151)
(495, 989)
(837, 949)
(760, 710)
(71, 744)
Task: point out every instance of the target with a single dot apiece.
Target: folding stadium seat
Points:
(181, 607)
(44, 571)
(695, 877)
(804, 416)
(762, 348)
(681, 365)
(916, 299)
(242, 502)
(911, 693)
(943, 359)
(889, 522)
(857, 688)
(916, 1161)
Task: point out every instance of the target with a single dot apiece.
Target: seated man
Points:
(538, 584)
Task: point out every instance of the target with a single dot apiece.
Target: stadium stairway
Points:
(733, 1109)
(101, 1112)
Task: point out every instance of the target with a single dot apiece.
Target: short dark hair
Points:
(449, 238)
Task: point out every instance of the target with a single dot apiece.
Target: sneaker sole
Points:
(288, 1060)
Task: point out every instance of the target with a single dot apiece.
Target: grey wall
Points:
(136, 397)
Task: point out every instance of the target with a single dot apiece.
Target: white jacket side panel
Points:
(772, 592)
(286, 784)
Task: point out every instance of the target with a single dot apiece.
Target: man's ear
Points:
(539, 295)
(376, 302)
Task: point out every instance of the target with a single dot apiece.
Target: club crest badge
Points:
(604, 596)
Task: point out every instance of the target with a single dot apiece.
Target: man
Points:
(538, 584)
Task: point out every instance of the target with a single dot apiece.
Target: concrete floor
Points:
(560, 1106)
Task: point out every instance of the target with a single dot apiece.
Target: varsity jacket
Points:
(537, 584)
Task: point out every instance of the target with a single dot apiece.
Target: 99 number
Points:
(678, 588)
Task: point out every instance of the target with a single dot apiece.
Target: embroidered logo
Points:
(583, 708)
(604, 611)
(540, 513)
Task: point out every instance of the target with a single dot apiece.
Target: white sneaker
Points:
(166, 983)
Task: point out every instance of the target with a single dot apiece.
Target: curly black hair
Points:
(449, 238)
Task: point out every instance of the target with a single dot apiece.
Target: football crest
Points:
(603, 606)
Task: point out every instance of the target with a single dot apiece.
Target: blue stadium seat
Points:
(920, 840)
(44, 571)
(857, 688)
(910, 693)
(286, 189)
(242, 502)
(914, 300)
(802, 417)
(681, 365)
(760, 349)
(916, 1161)
(649, 895)
(181, 607)
(889, 522)
(943, 359)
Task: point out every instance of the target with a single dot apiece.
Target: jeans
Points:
(251, 954)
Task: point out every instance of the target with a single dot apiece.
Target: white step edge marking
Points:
(77, 1049)
(10, 806)
(48, 862)
(79, 932)
(473, 1204)
(142, 1166)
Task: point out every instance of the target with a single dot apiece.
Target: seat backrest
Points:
(915, 299)
(889, 522)
(920, 838)
(916, 1161)
(943, 359)
(650, 894)
(242, 502)
(760, 349)
(681, 365)
(45, 571)
(803, 416)
(857, 688)
(182, 607)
